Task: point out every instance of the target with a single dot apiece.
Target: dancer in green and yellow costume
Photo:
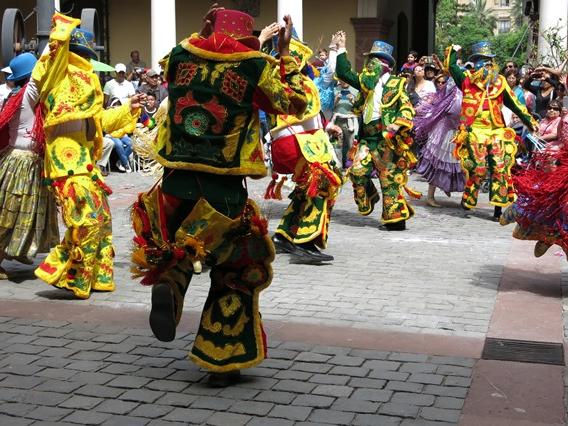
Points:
(200, 214)
(301, 147)
(483, 143)
(384, 138)
(74, 120)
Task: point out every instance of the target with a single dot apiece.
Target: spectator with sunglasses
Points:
(548, 126)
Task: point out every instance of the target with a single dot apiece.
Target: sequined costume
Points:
(72, 101)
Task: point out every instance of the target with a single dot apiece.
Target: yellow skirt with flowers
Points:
(28, 213)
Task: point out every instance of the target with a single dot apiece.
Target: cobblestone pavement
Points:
(440, 276)
(54, 372)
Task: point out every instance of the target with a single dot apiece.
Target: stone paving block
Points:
(109, 338)
(333, 390)
(17, 409)
(292, 375)
(312, 357)
(261, 372)
(146, 351)
(282, 354)
(167, 385)
(329, 379)
(464, 382)
(202, 389)
(455, 392)
(453, 370)
(25, 329)
(24, 348)
(389, 375)
(376, 395)
(375, 420)
(52, 332)
(374, 364)
(330, 350)
(459, 361)
(349, 371)
(447, 402)
(369, 354)
(186, 415)
(56, 373)
(404, 386)
(87, 417)
(212, 403)
(296, 346)
(58, 386)
(423, 400)
(21, 382)
(296, 413)
(86, 365)
(92, 378)
(151, 411)
(122, 358)
(48, 414)
(275, 397)
(310, 367)
(82, 402)
(11, 395)
(117, 347)
(20, 338)
(313, 401)
(51, 342)
(279, 364)
(267, 421)
(118, 369)
(152, 361)
(131, 382)
(399, 410)
(84, 345)
(433, 379)
(237, 393)
(141, 395)
(440, 414)
(355, 405)
(21, 370)
(423, 422)
(116, 406)
(52, 362)
(348, 361)
(253, 408)
(260, 383)
(125, 421)
(332, 417)
(294, 386)
(176, 399)
(13, 421)
(407, 357)
(228, 419)
(419, 367)
(18, 359)
(99, 391)
(170, 373)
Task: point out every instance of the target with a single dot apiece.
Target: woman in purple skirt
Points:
(438, 121)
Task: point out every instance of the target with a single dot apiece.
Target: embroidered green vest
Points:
(212, 126)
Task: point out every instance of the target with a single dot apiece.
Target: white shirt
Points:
(21, 125)
(4, 92)
(122, 91)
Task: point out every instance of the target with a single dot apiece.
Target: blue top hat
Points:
(481, 50)
(382, 50)
(83, 43)
(22, 66)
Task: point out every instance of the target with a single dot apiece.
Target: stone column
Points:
(369, 25)
(162, 29)
(294, 8)
(552, 13)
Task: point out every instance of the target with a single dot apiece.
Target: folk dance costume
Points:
(383, 102)
(201, 214)
(28, 213)
(301, 147)
(483, 143)
(74, 120)
(541, 209)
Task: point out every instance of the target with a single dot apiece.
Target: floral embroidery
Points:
(185, 73)
(234, 86)
(196, 123)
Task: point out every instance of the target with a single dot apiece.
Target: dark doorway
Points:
(402, 47)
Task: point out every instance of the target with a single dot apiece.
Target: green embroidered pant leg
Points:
(393, 177)
(364, 191)
(501, 158)
(306, 219)
(230, 335)
(475, 167)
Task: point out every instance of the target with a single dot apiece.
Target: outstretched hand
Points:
(338, 39)
(209, 20)
(285, 35)
(268, 32)
(136, 101)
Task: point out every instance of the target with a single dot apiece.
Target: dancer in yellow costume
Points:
(74, 120)
(483, 142)
(301, 147)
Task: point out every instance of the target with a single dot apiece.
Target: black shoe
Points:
(309, 252)
(222, 380)
(397, 226)
(162, 315)
(282, 245)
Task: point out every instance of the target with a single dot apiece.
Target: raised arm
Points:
(451, 64)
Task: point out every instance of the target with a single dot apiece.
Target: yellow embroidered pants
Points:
(83, 261)
(482, 150)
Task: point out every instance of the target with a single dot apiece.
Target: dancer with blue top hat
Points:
(384, 138)
(28, 213)
(71, 102)
(483, 142)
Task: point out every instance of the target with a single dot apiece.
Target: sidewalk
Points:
(391, 332)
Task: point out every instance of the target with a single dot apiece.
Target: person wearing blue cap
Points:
(384, 138)
(74, 121)
(28, 214)
(483, 142)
